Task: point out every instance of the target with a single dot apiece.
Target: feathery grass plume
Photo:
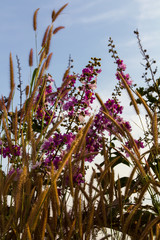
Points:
(18, 196)
(71, 230)
(36, 210)
(149, 227)
(4, 109)
(130, 94)
(69, 153)
(132, 142)
(8, 135)
(48, 60)
(115, 123)
(155, 129)
(136, 161)
(27, 90)
(133, 211)
(42, 56)
(101, 102)
(145, 105)
(7, 183)
(35, 19)
(49, 39)
(12, 84)
(86, 128)
(15, 125)
(57, 29)
(31, 58)
(45, 36)
(55, 15)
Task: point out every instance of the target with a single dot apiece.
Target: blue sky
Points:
(88, 26)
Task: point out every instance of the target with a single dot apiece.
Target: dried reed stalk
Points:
(15, 125)
(35, 19)
(8, 135)
(145, 105)
(90, 223)
(130, 94)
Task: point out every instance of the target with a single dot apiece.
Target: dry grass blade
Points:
(133, 211)
(149, 227)
(71, 230)
(145, 105)
(15, 125)
(115, 123)
(130, 94)
(107, 169)
(36, 210)
(128, 185)
(50, 232)
(29, 237)
(35, 19)
(55, 15)
(8, 135)
(136, 161)
(132, 142)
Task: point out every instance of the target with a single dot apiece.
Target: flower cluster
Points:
(120, 69)
(5, 150)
